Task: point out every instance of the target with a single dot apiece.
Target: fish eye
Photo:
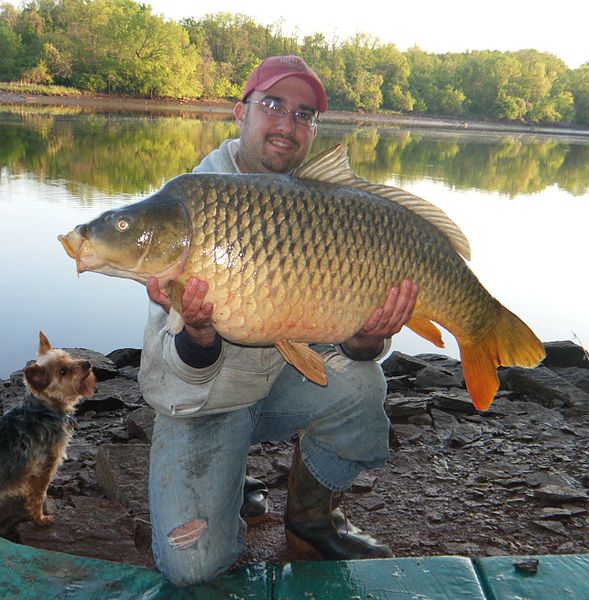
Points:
(122, 225)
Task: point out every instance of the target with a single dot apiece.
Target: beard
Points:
(258, 155)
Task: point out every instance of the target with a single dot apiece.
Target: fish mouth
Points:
(78, 248)
(66, 245)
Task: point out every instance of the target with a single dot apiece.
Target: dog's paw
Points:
(44, 520)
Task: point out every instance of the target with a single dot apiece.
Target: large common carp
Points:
(307, 257)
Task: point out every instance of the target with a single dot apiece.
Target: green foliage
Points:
(10, 48)
(38, 74)
(580, 91)
(120, 46)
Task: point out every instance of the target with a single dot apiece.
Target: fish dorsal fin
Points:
(333, 166)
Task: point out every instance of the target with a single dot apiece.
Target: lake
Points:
(523, 202)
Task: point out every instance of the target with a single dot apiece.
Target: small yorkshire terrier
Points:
(35, 434)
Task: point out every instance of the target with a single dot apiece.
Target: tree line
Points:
(121, 47)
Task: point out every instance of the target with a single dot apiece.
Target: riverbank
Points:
(509, 481)
(222, 110)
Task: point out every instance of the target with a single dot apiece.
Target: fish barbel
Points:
(307, 257)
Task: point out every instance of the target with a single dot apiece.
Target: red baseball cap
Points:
(274, 69)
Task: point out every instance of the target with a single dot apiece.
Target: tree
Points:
(10, 47)
(234, 42)
(30, 26)
(580, 91)
(120, 46)
(392, 64)
(59, 63)
(423, 67)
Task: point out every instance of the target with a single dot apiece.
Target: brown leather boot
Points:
(313, 518)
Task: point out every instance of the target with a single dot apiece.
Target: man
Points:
(214, 399)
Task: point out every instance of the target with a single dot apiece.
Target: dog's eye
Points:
(122, 225)
(62, 371)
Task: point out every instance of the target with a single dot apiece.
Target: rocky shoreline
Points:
(512, 480)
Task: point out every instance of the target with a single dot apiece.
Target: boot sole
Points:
(302, 547)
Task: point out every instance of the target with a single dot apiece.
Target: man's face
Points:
(275, 145)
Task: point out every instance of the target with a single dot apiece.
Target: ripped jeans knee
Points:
(185, 535)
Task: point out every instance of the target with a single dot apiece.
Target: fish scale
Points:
(345, 267)
(308, 257)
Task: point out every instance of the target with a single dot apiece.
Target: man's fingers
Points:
(196, 311)
(410, 298)
(156, 295)
(395, 313)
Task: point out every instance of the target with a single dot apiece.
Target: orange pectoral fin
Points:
(175, 323)
(426, 329)
(175, 292)
(305, 360)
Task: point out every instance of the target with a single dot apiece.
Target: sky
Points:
(433, 25)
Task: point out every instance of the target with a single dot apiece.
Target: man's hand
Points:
(384, 322)
(196, 313)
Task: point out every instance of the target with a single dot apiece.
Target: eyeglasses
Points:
(276, 109)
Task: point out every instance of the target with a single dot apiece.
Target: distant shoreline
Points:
(108, 103)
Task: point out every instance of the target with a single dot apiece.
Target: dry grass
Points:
(33, 88)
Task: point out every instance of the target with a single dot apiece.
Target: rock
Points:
(402, 364)
(12, 401)
(364, 483)
(550, 494)
(398, 408)
(555, 512)
(12, 512)
(552, 526)
(140, 423)
(125, 357)
(530, 565)
(423, 420)
(103, 367)
(122, 472)
(400, 383)
(431, 377)
(94, 527)
(408, 434)
(565, 354)
(462, 434)
(444, 423)
(575, 376)
(129, 373)
(113, 394)
(17, 379)
(441, 361)
(544, 386)
(370, 502)
(455, 400)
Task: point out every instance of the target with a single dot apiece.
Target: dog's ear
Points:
(44, 345)
(38, 378)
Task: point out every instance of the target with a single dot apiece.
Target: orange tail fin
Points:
(509, 343)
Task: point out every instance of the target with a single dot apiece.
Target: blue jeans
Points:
(198, 464)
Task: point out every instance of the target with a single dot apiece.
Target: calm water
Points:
(523, 202)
